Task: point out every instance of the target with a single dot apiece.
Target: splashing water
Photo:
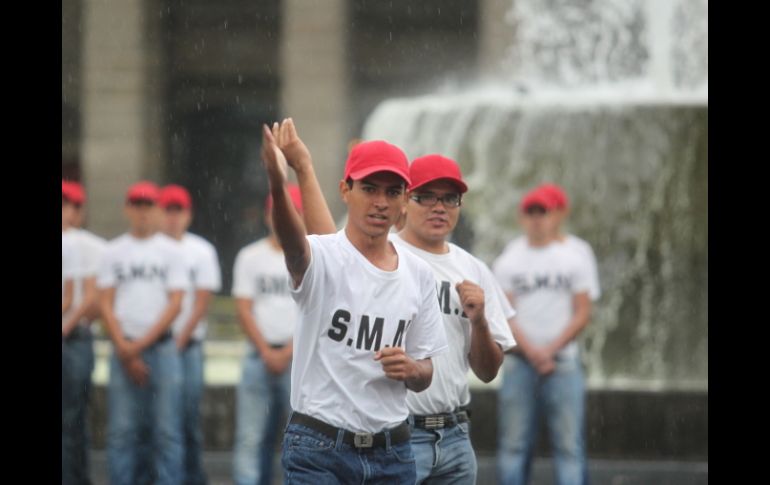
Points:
(628, 142)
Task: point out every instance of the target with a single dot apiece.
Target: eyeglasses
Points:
(429, 200)
(535, 210)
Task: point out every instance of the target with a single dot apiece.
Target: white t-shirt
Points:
(449, 387)
(260, 275)
(203, 273)
(70, 259)
(543, 281)
(584, 251)
(349, 309)
(142, 271)
(91, 248)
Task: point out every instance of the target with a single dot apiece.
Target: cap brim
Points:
(460, 184)
(365, 172)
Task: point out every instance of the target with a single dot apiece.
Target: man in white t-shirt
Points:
(268, 314)
(369, 325)
(142, 280)
(189, 327)
(77, 347)
(548, 283)
(560, 210)
(475, 321)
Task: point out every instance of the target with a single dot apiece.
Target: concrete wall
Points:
(620, 424)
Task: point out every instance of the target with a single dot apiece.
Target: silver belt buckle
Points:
(434, 422)
(363, 440)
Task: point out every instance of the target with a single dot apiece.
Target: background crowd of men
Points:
(363, 337)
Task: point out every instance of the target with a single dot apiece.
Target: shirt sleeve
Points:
(502, 273)
(495, 312)
(106, 277)
(425, 336)
(209, 274)
(177, 276)
(308, 289)
(243, 278)
(70, 261)
(581, 276)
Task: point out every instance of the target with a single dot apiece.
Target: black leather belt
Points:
(440, 421)
(399, 434)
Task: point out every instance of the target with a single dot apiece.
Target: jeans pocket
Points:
(305, 442)
(403, 453)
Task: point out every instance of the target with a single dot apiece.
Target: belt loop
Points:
(387, 439)
(340, 438)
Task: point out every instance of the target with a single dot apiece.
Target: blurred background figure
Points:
(74, 357)
(189, 328)
(267, 315)
(142, 279)
(548, 283)
(77, 346)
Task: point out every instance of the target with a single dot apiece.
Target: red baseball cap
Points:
(174, 195)
(537, 197)
(435, 167)
(369, 157)
(294, 193)
(143, 191)
(557, 193)
(72, 191)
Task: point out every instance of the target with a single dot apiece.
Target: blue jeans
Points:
(192, 391)
(312, 458)
(560, 396)
(444, 456)
(262, 398)
(77, 359)
(157, 403)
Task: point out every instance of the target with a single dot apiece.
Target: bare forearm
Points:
(85, 307)
(249, 325)
(485, 355)
(318, 218)
(576, 325)
(162, 325)
(290, 231)
(66, 301)
(111, 324)
(200, 307)
(422, 376)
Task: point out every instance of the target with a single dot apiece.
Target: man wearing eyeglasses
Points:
(475, 321)
(189, 327)
(549, 284)
(142, 280)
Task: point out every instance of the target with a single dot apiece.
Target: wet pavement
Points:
(602, 472)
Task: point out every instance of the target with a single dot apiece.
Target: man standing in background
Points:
(548, 283)
(189, 327)
(77, 347)
(268, 314)
(142, 280)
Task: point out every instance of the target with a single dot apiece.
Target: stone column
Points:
(496, 35)
(315, 83)
(121, 106)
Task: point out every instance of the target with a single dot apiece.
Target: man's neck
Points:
(176, 236)
(538, 242)
(140, 234)
(377, 249)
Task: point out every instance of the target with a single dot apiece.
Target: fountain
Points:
(608, 98)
